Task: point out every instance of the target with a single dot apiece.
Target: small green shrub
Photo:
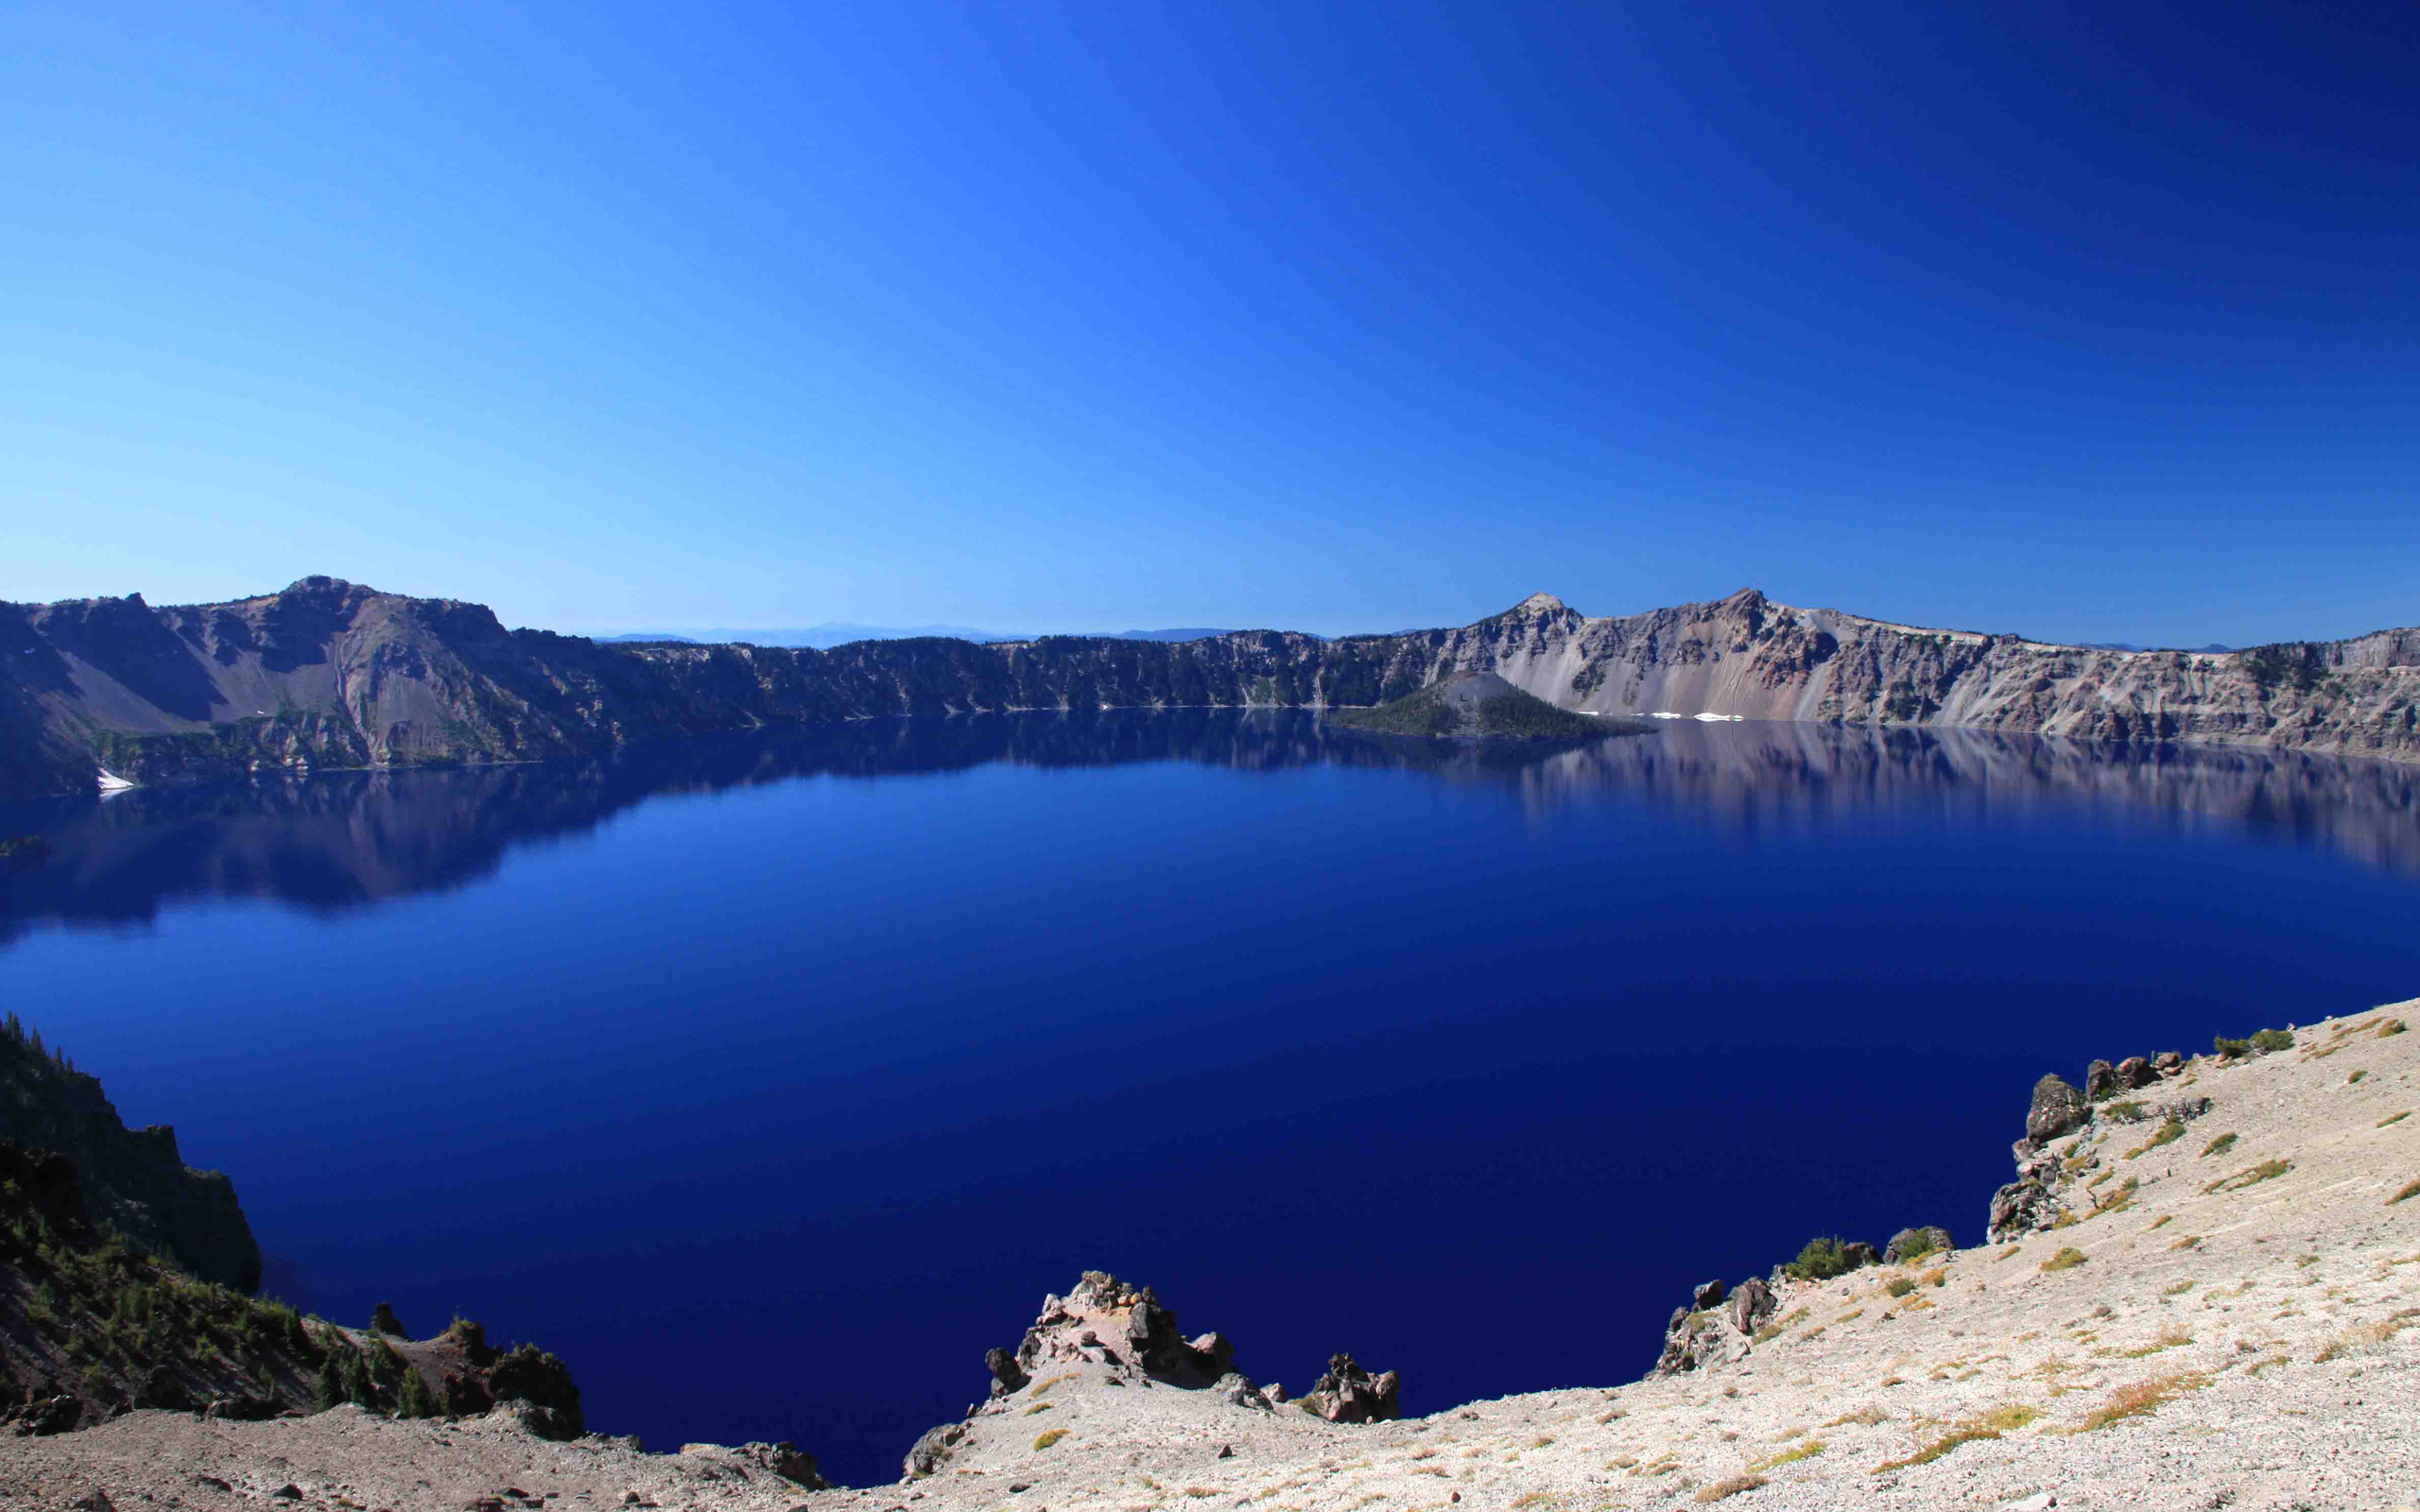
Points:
(2269, 1041)
(1821, 1258)
(2227, 1048)
(1899, 1286)
(2124, 1112)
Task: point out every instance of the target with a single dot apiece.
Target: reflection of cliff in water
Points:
(1778, 777)
(347, 839)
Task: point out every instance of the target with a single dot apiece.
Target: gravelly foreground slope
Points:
(331, 674)
(2222, 1322)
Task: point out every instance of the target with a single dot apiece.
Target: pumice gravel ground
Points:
(2238, 1329)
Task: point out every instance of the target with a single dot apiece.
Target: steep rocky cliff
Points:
(331, 674)
(131, 1180)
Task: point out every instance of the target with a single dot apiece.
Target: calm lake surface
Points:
(770, 1081)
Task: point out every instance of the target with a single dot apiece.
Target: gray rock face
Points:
(1859, 1254)
(1752, 1304)
(539, 1423)
(2058, 1109)
(932, 1451)
(2021, 1207)
(1348, 1394)
(785, 1460)
(1719, 1331)
(1238, 1390)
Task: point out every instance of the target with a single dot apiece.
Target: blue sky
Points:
(2084, 323)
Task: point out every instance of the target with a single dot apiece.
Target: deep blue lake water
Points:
(770, 1081)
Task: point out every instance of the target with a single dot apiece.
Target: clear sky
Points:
(2089, 322)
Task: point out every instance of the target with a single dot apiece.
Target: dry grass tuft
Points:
(1969, 1433)
(2169, 1133)
(2395, 1118)
(1045, 1440)
(1790, 1456)
(2067, 1258)
(2411, 1189)
(1870, 1417)
(2220, 1145)
(1039, 1406)
(2188, 1242)
(2250, 1176)
(2392, 1026)
(1733, 1486)
(2142, 1398)
(2170, 1338)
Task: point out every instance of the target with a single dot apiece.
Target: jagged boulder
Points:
(2058, 1109)
(785, 1460)
(536, 1420)
(2167, 1063)
(1710, 1294)
(2021, 1208)
(2134, 1073)
(1006, 1375)
(1751, 1303)
(1348, 1394)
(932, 1451)
(1909, 1243)
(1240, 1391)
(1104, 1321)
(2100, 1080)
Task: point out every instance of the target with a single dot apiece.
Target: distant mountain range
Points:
(329, 674)
(825, 637)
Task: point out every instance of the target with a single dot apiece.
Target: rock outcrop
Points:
(131, 1180)
(1721, 1325)
(2061, 1125)
(327, 673)
(1910, 1244)
(1348, 1394)
(1112, 1334)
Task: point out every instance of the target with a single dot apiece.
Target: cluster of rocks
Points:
(2038, 1198)
(1123, 1333)
(1720, 1323)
